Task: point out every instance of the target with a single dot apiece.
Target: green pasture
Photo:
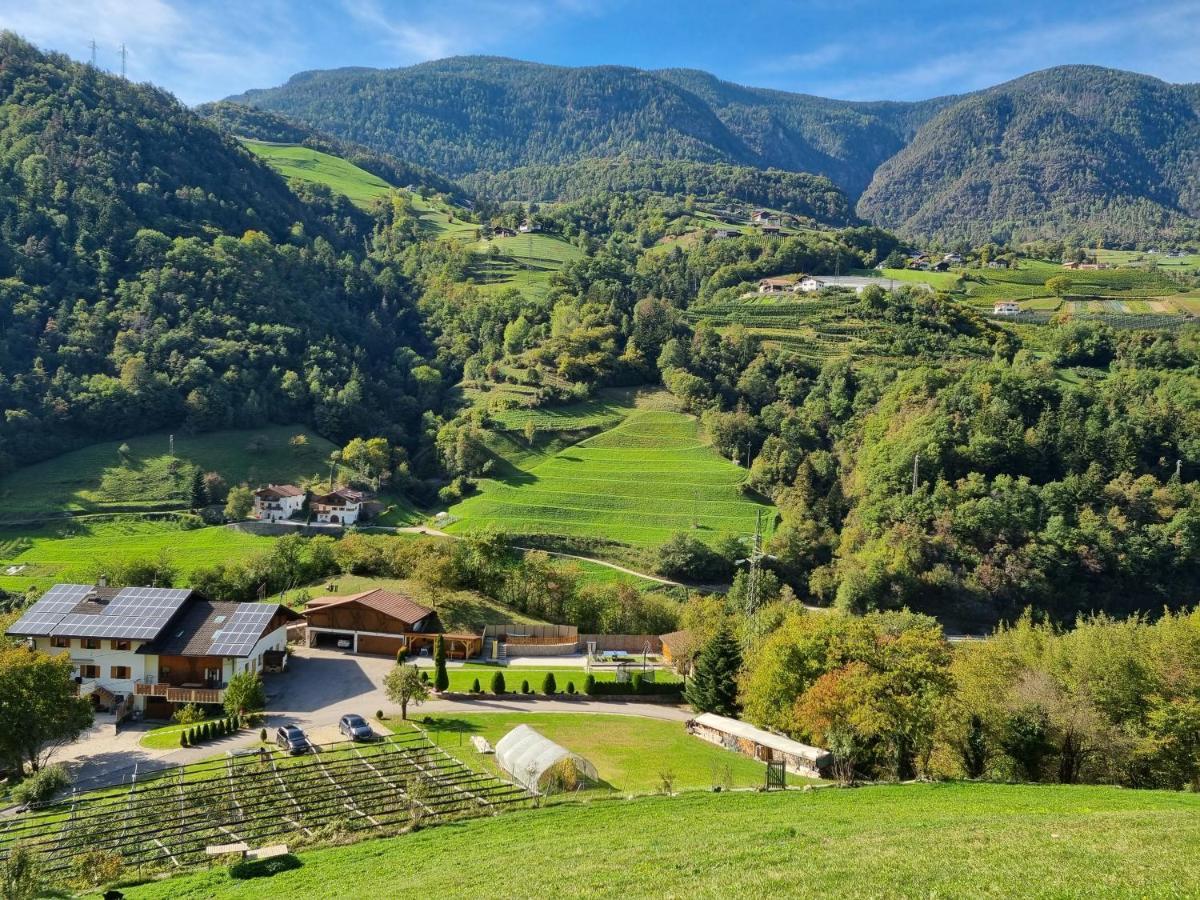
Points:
(78, 550)
(307, 164)
(638, 483)
(921, 840)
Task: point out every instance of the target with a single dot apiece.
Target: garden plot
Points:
(167, 819)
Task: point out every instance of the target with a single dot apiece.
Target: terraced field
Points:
(524, 262)
(637, 483)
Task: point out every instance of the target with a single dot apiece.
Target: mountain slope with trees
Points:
(1073, 149)
(1082, 149)
(153, 273)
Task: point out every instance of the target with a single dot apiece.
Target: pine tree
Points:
(441, 680)
(713, 687)
(199, 495)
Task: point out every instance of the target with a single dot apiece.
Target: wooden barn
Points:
(381, 622)
(744, 738)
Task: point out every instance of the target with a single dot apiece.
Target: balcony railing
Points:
(179, 693)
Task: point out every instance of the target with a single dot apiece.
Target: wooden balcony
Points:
(179, 693)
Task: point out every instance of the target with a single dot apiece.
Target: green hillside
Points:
(638, 483)
(101, 478)
(307, 164)
(929, 840)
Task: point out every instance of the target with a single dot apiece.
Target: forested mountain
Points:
(469, 114)
(154, 273)
(799, 193)
(242, 121)
(1071, 149)
(1079, 149)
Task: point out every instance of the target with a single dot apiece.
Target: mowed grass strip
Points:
(926, 840)
(637, 483)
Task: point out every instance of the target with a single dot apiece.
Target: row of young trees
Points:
(1107, 701)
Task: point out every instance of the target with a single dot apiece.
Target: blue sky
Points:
(206, 49)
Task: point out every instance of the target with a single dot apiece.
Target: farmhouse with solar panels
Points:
(150, 648)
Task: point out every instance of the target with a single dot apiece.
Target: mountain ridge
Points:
(920, 167)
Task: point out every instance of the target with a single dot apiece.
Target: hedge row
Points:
(636, 685)
(209, 731)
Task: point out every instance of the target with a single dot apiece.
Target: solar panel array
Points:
(49, 611)
(242, 632)
(135, 613)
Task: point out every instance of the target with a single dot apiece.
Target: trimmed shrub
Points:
(549, 685)
(401, 656)
(636, 682)
(498, 686)
(379, 713)
(570, 687)
(425, 676)
(183, 741)
(646, 689)
(41, 785)
(475, 688)
(589, 685)
(262, 735)
(525, 689)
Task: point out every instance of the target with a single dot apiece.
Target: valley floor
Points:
(932, 840)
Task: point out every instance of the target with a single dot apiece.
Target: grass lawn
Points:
(167, 737)
(638, 483)
(306, 164)
(462, 677)
(943, 840)
(99, 479)
(630, 753)
(78, 550)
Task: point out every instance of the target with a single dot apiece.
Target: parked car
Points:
(355, 728)
(292, 739)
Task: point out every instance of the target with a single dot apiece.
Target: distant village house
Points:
(278, 502)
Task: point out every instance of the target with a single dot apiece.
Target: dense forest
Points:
(1075, 151)
(798, 193)
(154, 273)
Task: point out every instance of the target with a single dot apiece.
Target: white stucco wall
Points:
(106, 658)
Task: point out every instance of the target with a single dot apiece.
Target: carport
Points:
(379, 622)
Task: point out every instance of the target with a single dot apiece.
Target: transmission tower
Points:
(754, 562)
(124, 54)
(92, 45)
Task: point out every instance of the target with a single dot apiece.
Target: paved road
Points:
(319, 687)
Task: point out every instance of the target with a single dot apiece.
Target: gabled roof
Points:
(341, 495)
(390, 603)
(279, 491)
(746, 731)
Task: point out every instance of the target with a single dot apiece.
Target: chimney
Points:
(102, 581)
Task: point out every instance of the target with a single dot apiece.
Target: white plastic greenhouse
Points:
(531, 759)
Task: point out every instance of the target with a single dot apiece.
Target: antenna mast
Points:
(124, 54)
(92, 45)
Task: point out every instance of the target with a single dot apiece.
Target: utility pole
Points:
(124, 54)
(1179, 470)
(171, 440)
(916, 472)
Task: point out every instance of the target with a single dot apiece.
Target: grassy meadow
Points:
(630, 753)
(307, 164)
(99, 478)
(638, 483)
(927, 840)
(524, 262)
(78, 550)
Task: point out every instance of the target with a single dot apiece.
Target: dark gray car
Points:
(355, 728)
(292, 739)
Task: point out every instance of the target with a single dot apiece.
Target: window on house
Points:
(118, 671)
(88, 670)
(90, 643)
(118, 645)
(57, 641)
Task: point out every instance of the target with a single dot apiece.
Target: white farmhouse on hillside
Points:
(342, 506)
(152, 648)
(278, 502)
(1006, 308)
(856, 283)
